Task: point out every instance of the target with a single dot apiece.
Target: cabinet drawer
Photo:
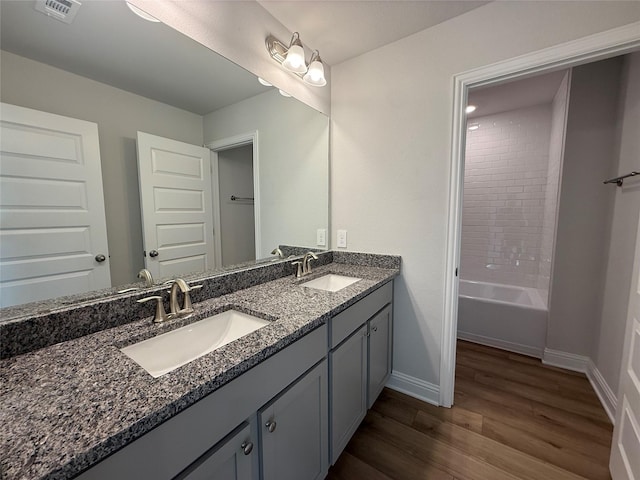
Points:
(345, 323)
(228, 460)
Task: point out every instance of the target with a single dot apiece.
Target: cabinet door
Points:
(348, 366)
(294, 430)
(380, 352)
(230, 459)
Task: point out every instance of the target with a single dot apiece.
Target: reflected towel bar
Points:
(618, 180)
(234, 198)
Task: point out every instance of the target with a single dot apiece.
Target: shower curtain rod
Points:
(618, 180)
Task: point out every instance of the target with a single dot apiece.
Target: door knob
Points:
(100, 258)
(153, 253)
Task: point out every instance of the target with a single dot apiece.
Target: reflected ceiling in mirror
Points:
(127, 75)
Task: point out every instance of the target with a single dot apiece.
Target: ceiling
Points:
(343, 29)
(515, 94)
(108, 43)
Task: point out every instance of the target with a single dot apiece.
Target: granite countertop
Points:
(65, 407)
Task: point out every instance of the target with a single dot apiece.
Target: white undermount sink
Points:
(166, 352)
(331, 282)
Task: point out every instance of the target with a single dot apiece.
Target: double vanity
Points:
(268, 381)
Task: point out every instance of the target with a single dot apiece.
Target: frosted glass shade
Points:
(315, 74)
(295, 59)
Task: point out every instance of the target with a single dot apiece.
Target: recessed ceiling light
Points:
(142, 13)
(264, 82)
(470, 108)
(474, 126)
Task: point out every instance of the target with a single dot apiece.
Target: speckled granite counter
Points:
(65, 407)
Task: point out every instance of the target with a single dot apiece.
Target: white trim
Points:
(238, 141)
(414, 387)
(587, 49)
(603, 391)
(568, 361)
(502, 344)
(215, 193)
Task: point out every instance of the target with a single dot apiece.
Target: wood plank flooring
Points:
(513, 418)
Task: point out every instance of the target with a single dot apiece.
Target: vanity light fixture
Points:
(142, 13)
(470, 109)
(262, 81)
(292, 58)
(315, 73)
(283, 93)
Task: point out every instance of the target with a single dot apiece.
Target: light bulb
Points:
(470, 108)
(295, 59)
(315, 74)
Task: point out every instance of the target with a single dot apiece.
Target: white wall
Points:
(391, 146)
(619, 262)
(505, 177)
(585, 208)
(119, 115)
(293, 152)
(559, 108)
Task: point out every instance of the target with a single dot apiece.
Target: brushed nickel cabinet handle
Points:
(247, 447)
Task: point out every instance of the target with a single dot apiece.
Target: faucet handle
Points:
(160, 315)
(298, 269)
(188, 307)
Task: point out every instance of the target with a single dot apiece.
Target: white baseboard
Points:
(415, 387)
(528, 350)
(568, 361)
(603, 391)
(583, 364)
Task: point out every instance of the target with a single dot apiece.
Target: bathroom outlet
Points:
(321, 237)
(342, 239)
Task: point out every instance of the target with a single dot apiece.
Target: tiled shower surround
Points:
(508, 189)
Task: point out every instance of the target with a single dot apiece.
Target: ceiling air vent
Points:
(63, 10)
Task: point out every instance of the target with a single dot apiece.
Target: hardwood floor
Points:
(513, 418)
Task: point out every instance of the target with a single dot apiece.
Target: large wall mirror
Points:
(264, 162)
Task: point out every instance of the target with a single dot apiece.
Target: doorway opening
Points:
(596, 47)
(236, 187)
(237, 219)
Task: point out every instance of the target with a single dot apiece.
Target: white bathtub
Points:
(503, 316)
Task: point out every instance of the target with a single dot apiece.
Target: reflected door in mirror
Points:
(53, 235)
(176, 200)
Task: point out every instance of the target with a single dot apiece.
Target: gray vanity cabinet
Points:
(230, 459)
(294, 430)
(348, 389)
(379, 336)
(359, 363)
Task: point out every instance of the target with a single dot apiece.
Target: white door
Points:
(176, 200)
(53, 234)
(625, 449)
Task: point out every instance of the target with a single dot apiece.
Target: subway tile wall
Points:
(505, 181)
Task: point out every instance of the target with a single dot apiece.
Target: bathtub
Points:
(503, 316)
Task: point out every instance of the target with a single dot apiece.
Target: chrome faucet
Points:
(277, 251)
(306, 262)
(145, 275)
